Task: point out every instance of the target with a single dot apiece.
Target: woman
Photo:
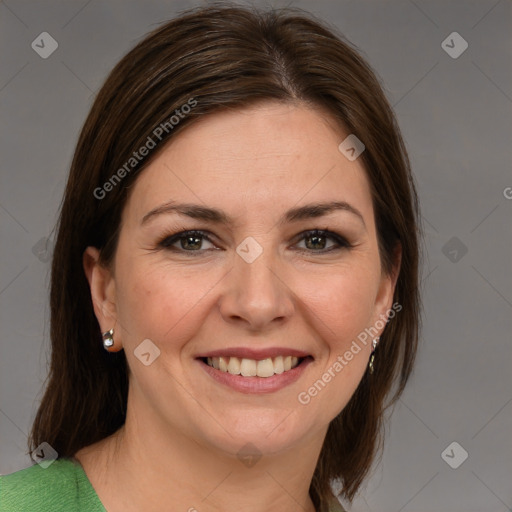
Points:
(234, 297)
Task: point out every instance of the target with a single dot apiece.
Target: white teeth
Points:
(278, 365)
(265, 368)
(223, 364)
(248, 368)
(251, 367)
(234, 366)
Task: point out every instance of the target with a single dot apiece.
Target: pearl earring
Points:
(108, 339)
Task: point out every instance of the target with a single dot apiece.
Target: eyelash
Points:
(169, 240)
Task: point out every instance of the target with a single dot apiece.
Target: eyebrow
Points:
(308, 211)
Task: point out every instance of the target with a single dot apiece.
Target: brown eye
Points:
(317, 240)
(189, 241)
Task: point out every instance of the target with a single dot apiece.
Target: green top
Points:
(61, 487)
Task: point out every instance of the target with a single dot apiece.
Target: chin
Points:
(265, 436)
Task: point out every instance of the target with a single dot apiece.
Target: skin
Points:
(183, 429)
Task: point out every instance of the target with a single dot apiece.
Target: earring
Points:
(372, 355)
(108, 339)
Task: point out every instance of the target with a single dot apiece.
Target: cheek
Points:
(342, 302)
(342, 308)
(161, 303)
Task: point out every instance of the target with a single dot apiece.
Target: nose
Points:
(257, 293)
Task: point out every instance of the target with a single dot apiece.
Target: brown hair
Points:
(224, 56)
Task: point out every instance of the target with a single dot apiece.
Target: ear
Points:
(386, 291)
(102, 286)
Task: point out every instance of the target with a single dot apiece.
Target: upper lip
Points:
(254, 353)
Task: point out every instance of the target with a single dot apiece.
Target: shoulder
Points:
(62, 486)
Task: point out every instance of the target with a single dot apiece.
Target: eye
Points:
(192, 241)
(189, 241)
(316, 241)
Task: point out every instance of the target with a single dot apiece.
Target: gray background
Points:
(456, 119)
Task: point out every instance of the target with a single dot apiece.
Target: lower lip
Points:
(257, 385)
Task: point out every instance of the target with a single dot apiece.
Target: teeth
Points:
(223, 364)
(233, 366)
(248, 367)
(265, 368)
(251, 367)
(278, 365)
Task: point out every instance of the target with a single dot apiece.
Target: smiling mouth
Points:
(253, 368)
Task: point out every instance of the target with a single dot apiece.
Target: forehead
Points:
(266, 157)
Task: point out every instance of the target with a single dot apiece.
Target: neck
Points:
(147, 465)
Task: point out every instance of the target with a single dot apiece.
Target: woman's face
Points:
(252, 285)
